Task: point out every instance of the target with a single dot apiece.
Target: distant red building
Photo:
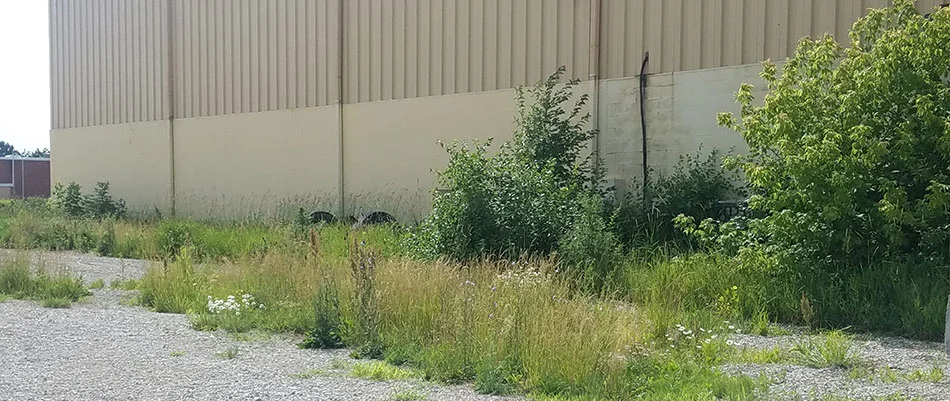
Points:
(24, 177)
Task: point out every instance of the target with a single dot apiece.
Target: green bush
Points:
(328, 329)
(589, 249)
(67, 199)
(695, 188)
(70, 201)
(522, 199)
(106, 245)
(100, 204)
(848, 154)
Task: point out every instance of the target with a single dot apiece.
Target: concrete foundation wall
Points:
(243, 165)
(680, 110)
(133, 158)
(392, 147)
(257, 164)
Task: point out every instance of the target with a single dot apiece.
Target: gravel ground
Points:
(901, 356)
(100, 349)
(103, 349)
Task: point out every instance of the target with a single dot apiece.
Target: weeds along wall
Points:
(262, 164)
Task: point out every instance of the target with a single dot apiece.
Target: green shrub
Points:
(522, 199)
(694, 188)
(848, 154)
(328, 329)
(70, 201)
(172, 235)
(67, 199)
(589, 249)
(100, 204)
(106, 245)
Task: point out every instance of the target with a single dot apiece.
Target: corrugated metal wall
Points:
(107, 61)
(408, 48)
(110, 58)
(694, 34)
(239, 56)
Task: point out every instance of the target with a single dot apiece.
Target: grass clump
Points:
(382, 371)
(407, 395)
(98, 284)
(19, 280)
(230, 353)
(178, 353)
(56, 302)
(309, 374)
(127, 285)
(833, 349)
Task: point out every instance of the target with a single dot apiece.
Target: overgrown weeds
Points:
(19, 280)
(833, 349)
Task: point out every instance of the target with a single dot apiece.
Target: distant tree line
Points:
(7, 149)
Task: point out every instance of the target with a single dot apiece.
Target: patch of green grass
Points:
(339, 364)
(178, 353)
(832, 349)
(494, 381)
(98, 284)
(309, 374)
(127, 285)
(933, 375)
(18, 280)
(56, 302)
(886, 374)
(761, 356)
(4, 297)
(382, 371)
(230, 353)
(407, 395)
(251, 336)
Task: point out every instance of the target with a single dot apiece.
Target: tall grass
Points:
(19, 280)
(506, 327)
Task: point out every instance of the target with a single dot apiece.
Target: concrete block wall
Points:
(680, 111)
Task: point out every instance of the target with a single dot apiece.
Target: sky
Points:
(24, 73)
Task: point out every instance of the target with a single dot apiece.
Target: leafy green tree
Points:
(7, 149)
(36, 153)
(849, 155)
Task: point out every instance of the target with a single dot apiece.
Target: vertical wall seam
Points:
(170, 82)
(340, 102)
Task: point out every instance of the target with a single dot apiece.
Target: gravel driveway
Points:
(103, 349)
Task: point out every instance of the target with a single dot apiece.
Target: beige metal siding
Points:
(110, 57)
(685, 35)
(107, 61)
(410, 48)
(241, 56)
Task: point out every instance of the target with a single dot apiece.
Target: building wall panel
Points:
(245, 56)
(107, 62)
(685, 35)
(252, 175)
(132, 157)
(114, 61)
